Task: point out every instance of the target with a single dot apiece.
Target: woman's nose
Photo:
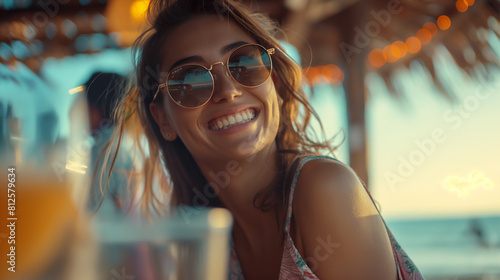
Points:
(225, 88)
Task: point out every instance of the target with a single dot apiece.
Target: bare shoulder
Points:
(322, 168)
(332, 207)
(329, 177)
(330, 190)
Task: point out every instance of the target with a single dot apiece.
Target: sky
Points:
(427, 157)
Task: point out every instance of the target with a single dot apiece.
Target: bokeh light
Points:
(377, 58)
(50, 30)
(431, 27)
(69, 28)
(424, 35)
(29, 32)
(98, 22)
(5, 51)
(312, 75)
(461, 5)
(82, 43)
(390, 51)
(20, 50)
(138, 9)
(402, 48)
(444, 22)
(395, 51)
(98, 42)
(332, 74)
(414, 45)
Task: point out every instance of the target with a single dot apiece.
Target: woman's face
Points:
(206, 40)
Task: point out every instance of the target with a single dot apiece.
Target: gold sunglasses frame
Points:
(269, 52)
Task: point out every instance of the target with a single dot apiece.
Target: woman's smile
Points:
(233, 120)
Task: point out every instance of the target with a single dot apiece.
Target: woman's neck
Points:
(236, 183)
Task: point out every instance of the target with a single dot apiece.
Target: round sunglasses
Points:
(192, 85)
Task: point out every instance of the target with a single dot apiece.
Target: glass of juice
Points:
(45, 232)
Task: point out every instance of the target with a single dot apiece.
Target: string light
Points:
(403, 49)
(331, 74)
(391, 53)
(424, 36)
(377, 57)
(443, 22)
(414, 45)
(462, 6)
(431, 26)
(396, 50)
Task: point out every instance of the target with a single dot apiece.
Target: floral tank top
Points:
(293, 266)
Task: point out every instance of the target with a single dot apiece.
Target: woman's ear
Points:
(167, 130)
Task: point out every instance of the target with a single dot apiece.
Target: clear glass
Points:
(194, 244)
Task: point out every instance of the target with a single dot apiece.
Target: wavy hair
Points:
(168, 165)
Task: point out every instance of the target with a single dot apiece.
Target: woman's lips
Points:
(232, 119)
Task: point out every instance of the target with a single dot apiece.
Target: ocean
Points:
(453, 248)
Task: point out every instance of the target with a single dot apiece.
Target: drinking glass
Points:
(45, 230)
(192, 245)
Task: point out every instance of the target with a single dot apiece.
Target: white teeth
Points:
(232, 120)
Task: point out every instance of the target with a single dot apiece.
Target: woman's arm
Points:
(341, 235)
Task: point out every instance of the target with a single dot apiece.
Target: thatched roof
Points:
(414, 29)
(320, 29)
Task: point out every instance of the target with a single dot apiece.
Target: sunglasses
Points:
(192, 85)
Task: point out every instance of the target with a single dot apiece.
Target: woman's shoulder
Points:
(331, 206)
(325, 185)
(324, 174)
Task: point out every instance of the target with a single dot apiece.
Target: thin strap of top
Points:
(302, 161)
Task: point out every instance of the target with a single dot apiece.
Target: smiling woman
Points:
(225, 114)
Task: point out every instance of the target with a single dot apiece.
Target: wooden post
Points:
(354, 85)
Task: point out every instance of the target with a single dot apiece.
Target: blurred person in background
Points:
(102, 91)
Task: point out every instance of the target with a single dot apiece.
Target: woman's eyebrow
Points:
(232, 46)
(199, 59)
(186, 60)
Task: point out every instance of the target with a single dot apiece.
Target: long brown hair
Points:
(182, 177)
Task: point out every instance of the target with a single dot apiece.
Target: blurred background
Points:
(409, 88)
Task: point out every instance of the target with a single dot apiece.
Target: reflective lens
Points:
(250, 65)
(192, 86)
